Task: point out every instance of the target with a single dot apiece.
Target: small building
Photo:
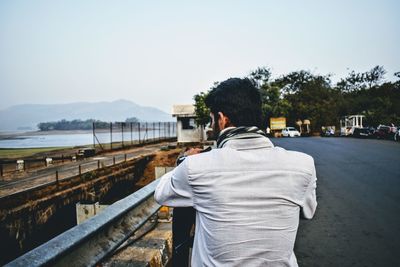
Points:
(349, 123)
(186, 129)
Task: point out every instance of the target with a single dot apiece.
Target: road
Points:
(70, 169)
(357, 222)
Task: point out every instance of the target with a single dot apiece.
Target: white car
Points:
(290, 131)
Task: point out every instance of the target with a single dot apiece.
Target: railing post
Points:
(114, 160)
(125, 157)
(80, 170)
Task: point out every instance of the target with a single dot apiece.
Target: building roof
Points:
(183, 111)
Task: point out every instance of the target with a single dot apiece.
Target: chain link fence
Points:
(118, 135)
(106, 137)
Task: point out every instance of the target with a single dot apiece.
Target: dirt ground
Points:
(162, 159)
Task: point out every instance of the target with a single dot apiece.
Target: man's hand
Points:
(192, 151)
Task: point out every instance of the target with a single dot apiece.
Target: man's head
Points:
(234, 102)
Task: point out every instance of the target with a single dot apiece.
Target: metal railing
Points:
(48, 177)
(88, 243)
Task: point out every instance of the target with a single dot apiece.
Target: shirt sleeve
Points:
(310, 198)
(174, 189)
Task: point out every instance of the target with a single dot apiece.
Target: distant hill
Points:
(26, 117)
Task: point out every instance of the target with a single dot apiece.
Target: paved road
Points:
(70, 169)
(357, 222)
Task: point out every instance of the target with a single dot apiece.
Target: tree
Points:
(132, 119)
(353, 82)
(260, 76)
(201, 110)
(292, 82)
(273, 104)
(375, 76)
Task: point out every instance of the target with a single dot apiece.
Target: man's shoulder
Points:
(295, 154)
(294, 158)
(272, 156)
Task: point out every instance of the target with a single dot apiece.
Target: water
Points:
(74, 139)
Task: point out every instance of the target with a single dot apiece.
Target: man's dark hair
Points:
(237, 99)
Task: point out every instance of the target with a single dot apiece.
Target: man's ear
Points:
(223, 121)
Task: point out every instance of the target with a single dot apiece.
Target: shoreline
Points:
(23, 135)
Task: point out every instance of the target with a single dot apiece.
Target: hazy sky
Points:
(160, 53)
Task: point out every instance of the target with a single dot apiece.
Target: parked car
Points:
(86, 152)
(365, 132)
(383, 132)
(328, 130)
(290, 132)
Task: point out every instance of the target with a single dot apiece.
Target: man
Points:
(247, 193)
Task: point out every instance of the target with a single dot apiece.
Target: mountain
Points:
(27, 116)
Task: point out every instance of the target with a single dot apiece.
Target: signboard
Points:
(277, 123)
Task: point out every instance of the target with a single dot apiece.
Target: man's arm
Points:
(174, 189)
(310, 198)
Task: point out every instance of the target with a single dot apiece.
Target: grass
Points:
(11, 153)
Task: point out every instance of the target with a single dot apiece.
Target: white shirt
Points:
(248, 196)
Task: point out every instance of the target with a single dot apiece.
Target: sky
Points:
(160, 53)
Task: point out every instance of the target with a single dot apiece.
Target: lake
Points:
(73, 139)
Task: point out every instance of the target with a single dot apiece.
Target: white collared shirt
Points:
(248, 196)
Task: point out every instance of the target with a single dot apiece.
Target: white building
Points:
(349, 123)
(186, 129)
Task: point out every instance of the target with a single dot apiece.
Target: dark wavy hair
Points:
(239, 100)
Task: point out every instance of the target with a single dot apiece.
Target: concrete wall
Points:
(189, 135)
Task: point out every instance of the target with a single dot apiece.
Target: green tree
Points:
(353, 82)
(375, 76)
(260, 76)
(132, 119)
(201, 110)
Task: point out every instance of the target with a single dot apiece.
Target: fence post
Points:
(57, 176)
(139, 131)
(131, 135)
(62, 158)
(125, 157)
(80, 170)
(114, 160)
(94, 134)
(147, 134)
(110, 135)
(122, 133)
(154, 131)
